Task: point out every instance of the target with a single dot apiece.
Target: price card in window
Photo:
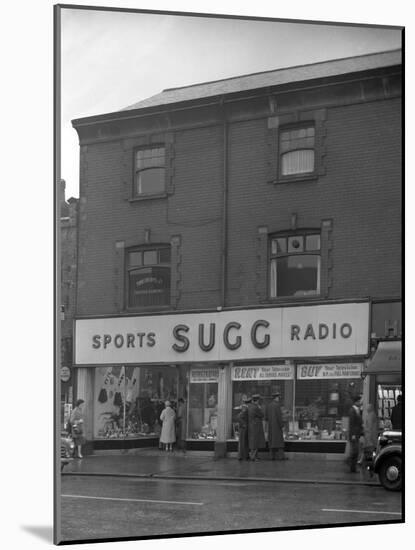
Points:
(204, 375)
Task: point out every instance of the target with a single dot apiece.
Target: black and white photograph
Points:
(228, 285)
(230, 329)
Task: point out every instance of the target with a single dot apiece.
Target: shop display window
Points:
(129, 400)
(203, 406)
(265, 389)
(322, 408)
(387, 395)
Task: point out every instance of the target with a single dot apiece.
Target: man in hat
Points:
(243, 444)
(355, 431)
(275, 428)
(256, 437)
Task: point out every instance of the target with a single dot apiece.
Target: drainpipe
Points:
(224, 244)
(224, 382)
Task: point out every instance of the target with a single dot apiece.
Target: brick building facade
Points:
(276, 194)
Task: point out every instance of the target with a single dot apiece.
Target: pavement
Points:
(202, 465)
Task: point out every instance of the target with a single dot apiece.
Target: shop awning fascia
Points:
(386, 359)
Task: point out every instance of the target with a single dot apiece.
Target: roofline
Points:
(281, 69)
(126, 113)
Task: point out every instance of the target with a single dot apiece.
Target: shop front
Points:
(313, 355)
(315, 399)
(383, 370)
(383, 377)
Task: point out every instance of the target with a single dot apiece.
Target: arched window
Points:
(295, 265)
(148, 276)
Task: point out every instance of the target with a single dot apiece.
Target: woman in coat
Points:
(256, 435)
(77, 426)
(168, 431)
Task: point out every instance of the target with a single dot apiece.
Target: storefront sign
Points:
(269, 372)
(337, 370)
(203, 376)
(269, 333)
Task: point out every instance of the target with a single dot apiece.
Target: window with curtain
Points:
(149, 171)
(297, 150)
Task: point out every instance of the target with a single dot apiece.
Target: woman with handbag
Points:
(77, 424)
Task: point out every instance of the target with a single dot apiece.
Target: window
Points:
(149, 171)
(297, 151)
(295, 265)
(148, 277)
(203, 403)
(322, 404)
(129, 400)
(264, 388)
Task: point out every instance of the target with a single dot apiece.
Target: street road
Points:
(108, 507)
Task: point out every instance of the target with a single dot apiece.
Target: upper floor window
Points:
(297, 150)
(295, 265)
(148, 276)
(149, 171)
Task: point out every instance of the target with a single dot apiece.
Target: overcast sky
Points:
(113, 59)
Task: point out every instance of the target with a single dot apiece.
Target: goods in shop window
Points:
(235, 429)
(103, 396)
(211, 401)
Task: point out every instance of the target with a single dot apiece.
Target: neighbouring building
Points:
(68, 255)
(243, 236)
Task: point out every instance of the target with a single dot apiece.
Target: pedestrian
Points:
(273, 415)
(78, 426)
(168, 432)
(181, 424)
(355, 431)
(396, 415)
(256, 437)
(370, 431)
(148, 416)
(243, 442)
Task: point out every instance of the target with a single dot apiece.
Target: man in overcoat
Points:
(243, 444)
(355, 431)
(273, 415)
(256, 437)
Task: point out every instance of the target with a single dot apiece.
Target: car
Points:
(387, 460)
(67, 449)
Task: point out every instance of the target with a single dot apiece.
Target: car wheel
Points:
(390, 473)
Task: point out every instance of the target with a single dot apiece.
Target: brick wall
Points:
(360, 193)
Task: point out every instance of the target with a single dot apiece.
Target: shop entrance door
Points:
(386, 394)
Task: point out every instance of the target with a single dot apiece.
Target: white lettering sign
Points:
(270, 333)
(338, 370)
(203, 376)
(271, 372)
